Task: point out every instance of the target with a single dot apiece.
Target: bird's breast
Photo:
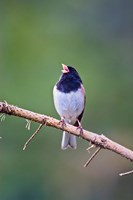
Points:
(69, 105)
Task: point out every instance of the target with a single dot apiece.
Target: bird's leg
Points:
(79, 127)
(62, 122)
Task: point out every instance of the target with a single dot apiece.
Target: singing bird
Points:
(69, 101)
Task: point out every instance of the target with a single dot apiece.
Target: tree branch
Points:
(93, 155)
(98, 140)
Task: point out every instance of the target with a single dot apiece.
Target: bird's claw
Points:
(80, 129)
(62, 122)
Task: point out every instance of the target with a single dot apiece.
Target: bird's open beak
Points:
(65, 69)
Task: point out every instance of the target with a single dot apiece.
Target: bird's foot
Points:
(80, 127)
(80, 130)
(62, 122)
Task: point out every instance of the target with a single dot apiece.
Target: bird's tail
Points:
(68, 140)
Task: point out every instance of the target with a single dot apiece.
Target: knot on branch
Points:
(103, 141)
(5, 108)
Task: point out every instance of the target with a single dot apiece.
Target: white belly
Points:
(69, 105)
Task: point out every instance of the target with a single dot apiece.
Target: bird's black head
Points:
(69, 80)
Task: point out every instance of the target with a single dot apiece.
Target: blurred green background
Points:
(96, 37)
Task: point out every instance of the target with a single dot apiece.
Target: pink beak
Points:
(65, 69)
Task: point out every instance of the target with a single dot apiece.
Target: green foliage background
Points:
(96, 37)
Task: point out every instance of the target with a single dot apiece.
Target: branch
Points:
(93, 155)
(99, 140)
(34, 134)
(126, 173)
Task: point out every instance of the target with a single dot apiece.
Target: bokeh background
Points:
(96, 37)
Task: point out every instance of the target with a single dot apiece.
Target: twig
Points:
(33, 135)
(2, 117)
(28, 124)
(91, 147)
(92, 157)
(126, 173)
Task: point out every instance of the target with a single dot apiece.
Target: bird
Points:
(69, 101)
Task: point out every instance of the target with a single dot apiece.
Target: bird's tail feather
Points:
(68, 140)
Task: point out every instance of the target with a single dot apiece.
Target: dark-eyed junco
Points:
(69, 101)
